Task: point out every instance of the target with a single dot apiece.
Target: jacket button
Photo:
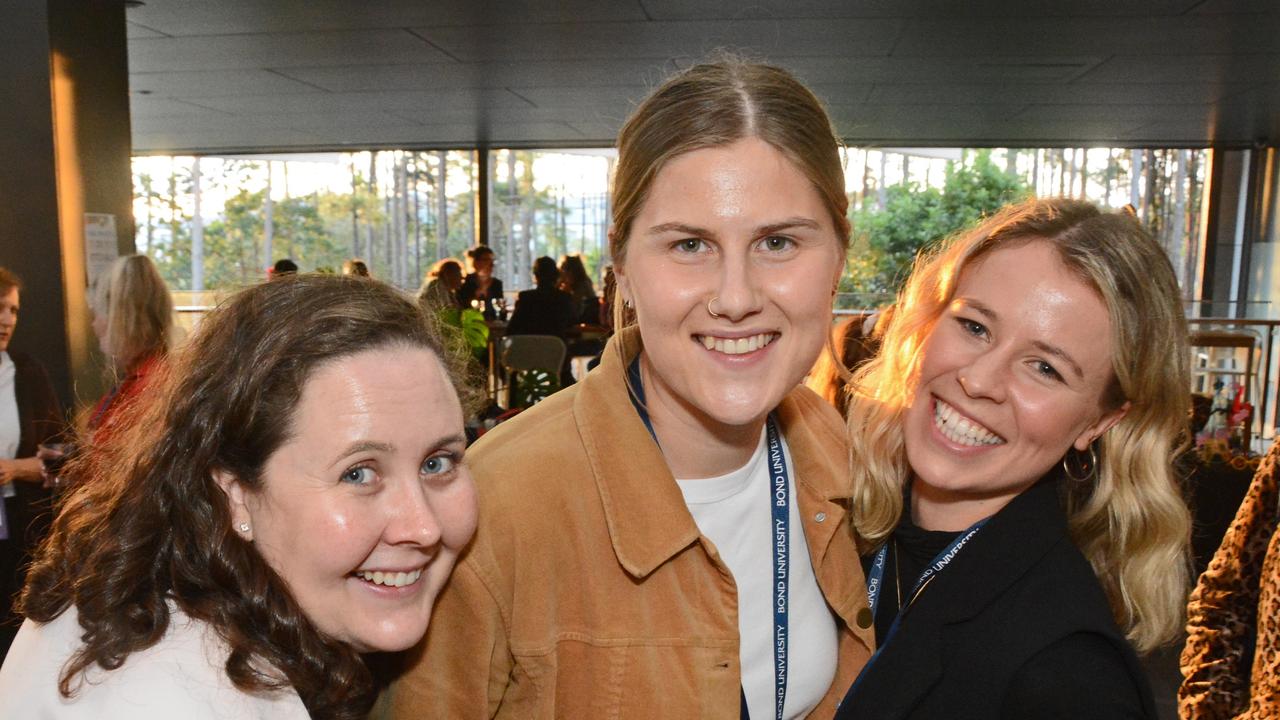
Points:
(820, 517)
(864, 618)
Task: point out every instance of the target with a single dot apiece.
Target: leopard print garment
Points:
(1225, 675)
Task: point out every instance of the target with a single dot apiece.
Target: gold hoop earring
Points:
(714, 314)
(1078, 466)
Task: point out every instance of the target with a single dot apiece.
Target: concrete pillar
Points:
(64, 137)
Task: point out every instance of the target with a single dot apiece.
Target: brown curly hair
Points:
(146, 524)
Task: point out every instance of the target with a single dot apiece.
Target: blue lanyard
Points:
(780, 481)
(875, 584)
(875, 580)
(780, 504)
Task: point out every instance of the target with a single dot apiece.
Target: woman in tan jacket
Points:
(669, 538)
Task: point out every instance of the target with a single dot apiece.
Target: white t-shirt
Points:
(735, 512)
(182, 677)
(10, 423)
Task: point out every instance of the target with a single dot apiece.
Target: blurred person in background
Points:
(29, 415)
(291, 497)
(546, 309)
(480, 284)
(355, 266)
(133, 319)
(575, 281)
(281, 268)
(856, 340)
(440, 291)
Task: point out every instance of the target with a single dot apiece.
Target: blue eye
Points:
(359, 475)
(439, 464)
(972, 327)
(1047, 370)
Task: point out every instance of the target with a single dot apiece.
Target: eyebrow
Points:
(793, 222)
(1040, 345)
(373, 446)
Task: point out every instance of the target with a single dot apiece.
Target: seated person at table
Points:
(545, 310)
(575, 281)
(480, 289)
(291, 496)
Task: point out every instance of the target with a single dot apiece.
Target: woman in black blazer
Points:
(1012, 473)
(24, 500)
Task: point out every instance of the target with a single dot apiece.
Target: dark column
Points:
(1225, 225)
(64, 135)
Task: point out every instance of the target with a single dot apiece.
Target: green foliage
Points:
(474, 330)
(886, 241)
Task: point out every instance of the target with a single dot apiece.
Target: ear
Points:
(1103, 424)
(620, 276)
(237, 506)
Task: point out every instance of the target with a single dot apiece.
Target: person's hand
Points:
(19, 470)
(50, 456)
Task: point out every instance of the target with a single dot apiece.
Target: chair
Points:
(533, 364)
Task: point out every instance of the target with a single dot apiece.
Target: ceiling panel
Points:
(220, 52)
(281, 74)
(583, 41)
(774, 9)
(1150, 36)
(230, 17)
(214, 83)
(1054, 94)
(1249, 67)
(343, 102)
(550, 73)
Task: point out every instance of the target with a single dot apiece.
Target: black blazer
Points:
(467, 293)
(39, 420)
(542, 311)
(991, 635)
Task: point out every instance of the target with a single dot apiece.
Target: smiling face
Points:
(8, 317)
(742, 226)
(364, 508)
(1014, 373)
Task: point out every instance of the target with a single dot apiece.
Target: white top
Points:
(734, 511)
(182, 677)
(10, 425)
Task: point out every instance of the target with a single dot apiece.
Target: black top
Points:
(1017, 626)
(911, 548)
(542, 311)
(467, 293)
(28, 514)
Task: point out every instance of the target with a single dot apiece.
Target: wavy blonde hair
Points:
(139, 310)
(1131, 523)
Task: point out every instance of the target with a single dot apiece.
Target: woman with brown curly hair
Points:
(292, 496)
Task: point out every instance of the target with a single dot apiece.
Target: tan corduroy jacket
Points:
(589, 592)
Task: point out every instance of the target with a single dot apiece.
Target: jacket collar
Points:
(646, 514)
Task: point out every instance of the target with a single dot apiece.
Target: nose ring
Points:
(714, 314)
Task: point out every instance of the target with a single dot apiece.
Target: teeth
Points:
(390, 579)
(959, 429)
(737, 346)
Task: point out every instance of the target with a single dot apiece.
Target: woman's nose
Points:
(413, 519)
(984, 377)
(738, 296)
